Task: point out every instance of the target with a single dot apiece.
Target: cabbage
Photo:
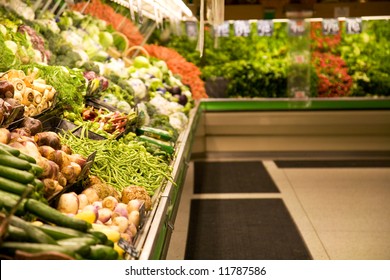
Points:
(92, 29)
(165, 107)
(154, 83)
(116, 66)
(73, 38)
(51, 24)
(12, 46)
(178, 120)
(174, 81)
(143, 111)
(124, 106)
(155, 71)
(162, 65)
(90, 46)
(3, 30)
(100, 56)
(22, 9)
(106, 39)
(141, 62)
(139, 88)
(83, 55)
(110, 99)
(65, 22)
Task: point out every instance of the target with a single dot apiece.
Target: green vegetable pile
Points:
(257, 66)
(121, 163)
(69, 83)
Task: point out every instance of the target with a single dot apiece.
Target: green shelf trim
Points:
(294, 104)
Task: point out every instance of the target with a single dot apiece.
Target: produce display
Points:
(34, 94)
(258, 66)
(88, 137)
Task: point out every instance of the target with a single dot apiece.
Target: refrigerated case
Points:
(269, 128)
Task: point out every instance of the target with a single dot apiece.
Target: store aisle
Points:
(340, 213)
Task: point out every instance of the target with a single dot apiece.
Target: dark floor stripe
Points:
(252, 229)
(331, 163)
(232, 177)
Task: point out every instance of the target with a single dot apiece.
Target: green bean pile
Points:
(121, 164)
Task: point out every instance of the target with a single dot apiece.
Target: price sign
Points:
(222, 30)
(296, 27)
(330, 26)
(353, 25)
(265, 27)
(241, 28)
(127, 247)
(191, 29)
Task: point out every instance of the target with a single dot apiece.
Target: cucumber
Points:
(100, 235)
(11, 186)
(51, 215)
(58, 232)
(36, 169)
(12, 151)
(16, 175)
(38, 184)
(10, 247)
(102, 252)
(35, 234)
(17, 234)
(79, 245)
(12, 161)
(28, 158)
(9, 200)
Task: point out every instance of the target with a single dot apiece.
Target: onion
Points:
(134, 204)
(121, 210)
(68, 203)
(83, 200)
(91, 208)
(66, 149)
(91, 194)
(79, 159)
(104, 215)
(5, 136)
(98, 204)
(76, 168)
(132, 229)
(134, 218)
(121, 222)
(110, 202)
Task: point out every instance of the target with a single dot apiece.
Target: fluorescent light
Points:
(173, 9)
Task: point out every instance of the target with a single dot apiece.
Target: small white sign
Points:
(222, 30)
(241, 28)
(353, 25)
(330, 26)
(265, 27)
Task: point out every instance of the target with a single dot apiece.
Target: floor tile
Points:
(350, 245)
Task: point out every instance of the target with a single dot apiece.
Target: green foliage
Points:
(258, 66)
(368, 58)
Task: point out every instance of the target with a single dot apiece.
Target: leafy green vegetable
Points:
(7, 58)
(69, 83)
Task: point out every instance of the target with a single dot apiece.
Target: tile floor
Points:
(342, 213)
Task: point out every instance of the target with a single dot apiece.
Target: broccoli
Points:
(90, 66)
(69, 59)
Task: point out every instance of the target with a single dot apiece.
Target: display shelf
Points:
(279, 104)
(154, 237)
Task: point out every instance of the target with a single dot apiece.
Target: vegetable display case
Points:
(154, 242)
(155, 235)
